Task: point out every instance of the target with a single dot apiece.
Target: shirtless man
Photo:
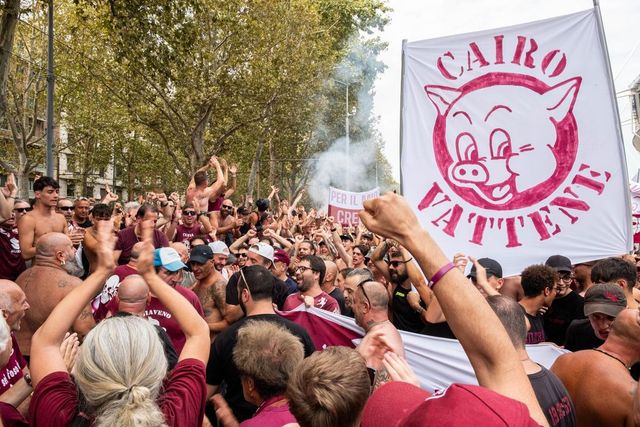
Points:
(223, 221)
(47, 283)
(598, 380)
(42, 219)
(198, 191)
(210, 287)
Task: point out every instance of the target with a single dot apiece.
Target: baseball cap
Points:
(560, 263)
(263, 249)
(281, 255)
(401, 404)
(607, 298)
(492, 266)
(167, 258)
(346, 237)
(219, 248)
(201, 254)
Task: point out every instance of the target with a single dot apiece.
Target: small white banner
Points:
(345, 205)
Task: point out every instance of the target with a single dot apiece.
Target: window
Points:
(71, 189)
(72, 163)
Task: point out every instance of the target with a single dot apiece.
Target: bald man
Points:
(15, 381)
(329, 285)
(47, 283)
(599, 381)
(132, 298)
(224, 221)
(371, 309)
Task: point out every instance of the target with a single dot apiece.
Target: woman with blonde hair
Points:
(119, 376)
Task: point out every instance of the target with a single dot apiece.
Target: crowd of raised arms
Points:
(168, 311)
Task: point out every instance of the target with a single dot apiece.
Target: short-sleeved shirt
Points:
(11, 261)
(12, 372)
(269, 415)
(580, 336)
(553, 398)
(127, 238)
(55, 399)
(159, 315)
(221, 367)
(185, 234)
(322, 301)
(561, 313)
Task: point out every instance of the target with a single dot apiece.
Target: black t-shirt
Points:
(337, 294)
(580, 336)
(561, 313)
(279, 294)
(440, 329)
(404, 317)
(553, 398)
(220, 366)
(535, 334)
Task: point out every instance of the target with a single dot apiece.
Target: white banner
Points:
(511, 147)
(345, 205)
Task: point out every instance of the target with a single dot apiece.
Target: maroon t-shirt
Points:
(12, 372)
(110, 288)
(11, 417)
(127, 238)
(11, 261)
(55, 399)
(215, 205)
(158, 314)
(184, 234)
(323, 301)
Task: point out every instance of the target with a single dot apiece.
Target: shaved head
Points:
(331, 272)
(133, 294)
(50, 243)
(378, 295)
(626, 328)
(136, 249)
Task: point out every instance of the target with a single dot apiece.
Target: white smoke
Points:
(333, 168)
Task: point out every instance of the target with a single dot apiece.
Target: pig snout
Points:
(471, 172)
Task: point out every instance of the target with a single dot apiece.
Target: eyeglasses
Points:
(303, 268)
(22, 210)
(361, 286)
(241, 254)
(566, 277)
(66, 208)
(189, 213)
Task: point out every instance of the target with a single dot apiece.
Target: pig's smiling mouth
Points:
(497, 194)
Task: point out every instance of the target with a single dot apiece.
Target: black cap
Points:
(492, 266)
(201, 254)
(607, 298)
(560, 263)
(346, 237)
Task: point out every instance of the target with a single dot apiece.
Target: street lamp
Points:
(346, 126)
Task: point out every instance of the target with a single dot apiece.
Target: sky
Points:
(425, 19)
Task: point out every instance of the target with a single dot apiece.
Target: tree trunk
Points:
(8, 23)
(253, 175)
(272, 163)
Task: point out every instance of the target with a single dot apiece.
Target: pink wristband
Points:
(440, 274)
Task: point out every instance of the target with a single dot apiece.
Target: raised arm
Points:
(377, 258)
(486, 343)
(215, 189)
(45, 345)
(233, 186)
(192, 325)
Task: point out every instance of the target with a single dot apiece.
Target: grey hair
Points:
(5, 334)
(119, 372)
(361, 274)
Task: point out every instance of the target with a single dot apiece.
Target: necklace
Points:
(612, 356)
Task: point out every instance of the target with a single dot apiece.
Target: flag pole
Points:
(612, 91)
(404, 43)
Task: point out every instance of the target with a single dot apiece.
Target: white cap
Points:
(219, 248)
(263, 249)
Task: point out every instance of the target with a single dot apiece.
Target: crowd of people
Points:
(168, 310)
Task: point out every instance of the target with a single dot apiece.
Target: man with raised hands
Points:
(484, 339)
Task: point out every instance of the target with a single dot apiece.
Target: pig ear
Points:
(442, 96)
(560, 98)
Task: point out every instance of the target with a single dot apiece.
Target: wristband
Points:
(163, 204)
(440, 273)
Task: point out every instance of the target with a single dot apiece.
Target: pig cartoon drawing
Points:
(503, 140)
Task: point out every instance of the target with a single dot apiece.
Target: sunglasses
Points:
(66, 208)
(395, 264)
(241, 254)
(361, 286)
(227, 207)
(22, 210)
(188, 213)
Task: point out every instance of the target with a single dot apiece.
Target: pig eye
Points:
(466, 147)
(500, 143)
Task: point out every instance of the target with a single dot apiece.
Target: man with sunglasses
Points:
(225, 223)
(187, 224)
(310, 292)
(65, 207)
(405, 316)
(42, 219)
(567, 305)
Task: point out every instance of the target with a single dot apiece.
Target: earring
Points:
(62, 263)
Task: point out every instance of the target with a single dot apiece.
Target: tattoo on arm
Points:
(85, 314)
(218, 293)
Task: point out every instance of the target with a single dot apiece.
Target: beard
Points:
(304, 286)
(72, 267)
(397, 278)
